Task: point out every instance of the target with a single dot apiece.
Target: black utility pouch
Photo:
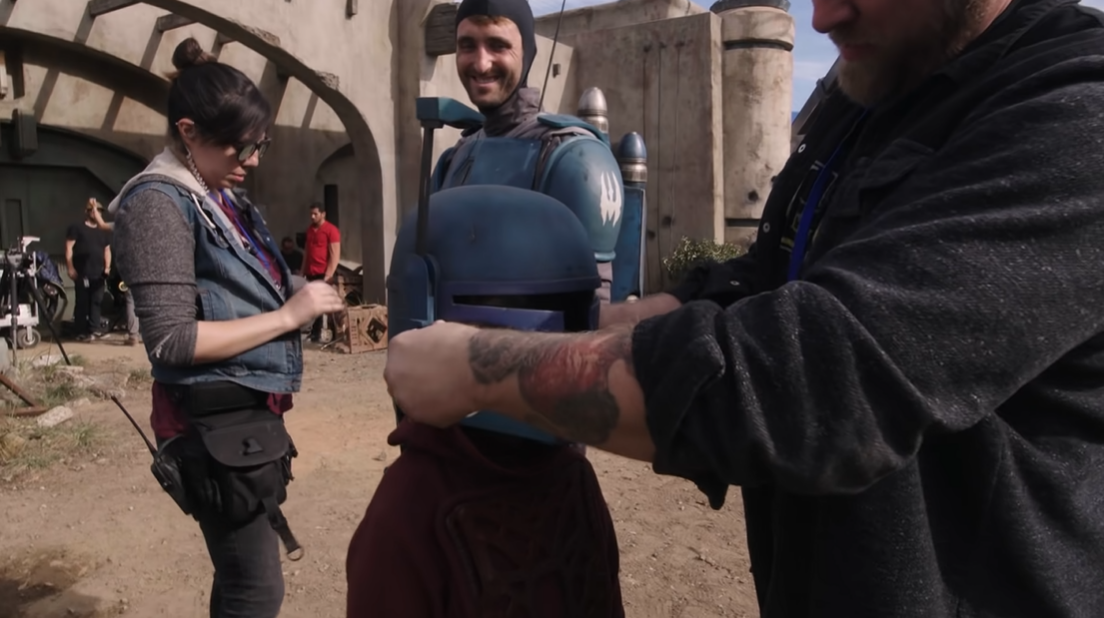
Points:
(249, 455)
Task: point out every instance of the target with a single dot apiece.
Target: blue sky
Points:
(813, 52)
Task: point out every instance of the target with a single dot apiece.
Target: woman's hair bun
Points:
(190, 54)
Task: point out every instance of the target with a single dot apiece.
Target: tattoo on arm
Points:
(564, 380)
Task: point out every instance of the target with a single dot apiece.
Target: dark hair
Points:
(317, 206)
(225, 105)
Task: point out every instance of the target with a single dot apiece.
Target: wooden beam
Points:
(22, 394)
(440, 30)
(28, 412)
(172, 21)
(103, 7)
(12, 62)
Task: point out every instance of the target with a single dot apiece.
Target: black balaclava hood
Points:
(517, 11)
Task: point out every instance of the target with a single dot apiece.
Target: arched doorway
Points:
(337, 180)
(41, 194)
(44, 192)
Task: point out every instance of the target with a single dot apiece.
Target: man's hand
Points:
(630, 314)
(429, 375)
(97, 218)
(73, 274)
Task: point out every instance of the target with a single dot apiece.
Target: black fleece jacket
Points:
(917, 423)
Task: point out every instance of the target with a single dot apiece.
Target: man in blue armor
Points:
(512, 112)
(461, 523)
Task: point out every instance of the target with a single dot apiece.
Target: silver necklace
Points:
(245, 242)
(195, 171)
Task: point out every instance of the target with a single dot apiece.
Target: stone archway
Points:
(376, 214)
(365, 151)
(94, 66)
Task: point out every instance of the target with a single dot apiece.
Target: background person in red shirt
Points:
(320, 255)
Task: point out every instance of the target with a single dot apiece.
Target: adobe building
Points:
(83, 83)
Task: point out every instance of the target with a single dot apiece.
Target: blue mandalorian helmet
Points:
(493, 255)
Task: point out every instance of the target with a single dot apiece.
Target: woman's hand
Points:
(219, 340)
(314, 299)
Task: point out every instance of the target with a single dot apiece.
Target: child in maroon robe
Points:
(470, 524)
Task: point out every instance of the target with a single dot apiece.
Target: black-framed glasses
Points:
(260, 148)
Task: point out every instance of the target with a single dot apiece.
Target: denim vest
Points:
(231, 284)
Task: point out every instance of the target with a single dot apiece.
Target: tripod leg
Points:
(41, 302)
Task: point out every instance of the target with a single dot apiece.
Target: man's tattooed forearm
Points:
(495, 355)
(565, 380)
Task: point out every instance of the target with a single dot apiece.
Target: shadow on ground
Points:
(37, 584)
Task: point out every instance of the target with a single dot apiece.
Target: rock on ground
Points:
(54, 417)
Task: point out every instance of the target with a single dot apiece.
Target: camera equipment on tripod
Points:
(13, 258)
(21, 302)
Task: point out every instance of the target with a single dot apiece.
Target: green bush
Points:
(690, 253)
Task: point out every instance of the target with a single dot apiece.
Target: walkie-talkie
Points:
(164, 468)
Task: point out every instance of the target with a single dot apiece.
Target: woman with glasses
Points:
(220, 318)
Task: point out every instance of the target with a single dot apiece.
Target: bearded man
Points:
(905, 376)
(479, 520)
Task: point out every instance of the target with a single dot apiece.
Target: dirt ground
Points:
(86, 532)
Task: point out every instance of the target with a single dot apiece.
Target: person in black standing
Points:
(88, 256)
(292, 255)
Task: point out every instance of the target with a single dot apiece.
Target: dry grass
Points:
(41, 447)
(48, 386)
(24, 446)
(138, 378)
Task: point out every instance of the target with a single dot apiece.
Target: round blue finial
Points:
(633, 157)
(632, 148)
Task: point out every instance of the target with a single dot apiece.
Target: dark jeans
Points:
(249, 580)
(89, 302)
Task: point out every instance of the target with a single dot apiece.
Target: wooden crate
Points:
(347, 283)
(367, 328)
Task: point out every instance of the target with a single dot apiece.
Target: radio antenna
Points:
(552, 56)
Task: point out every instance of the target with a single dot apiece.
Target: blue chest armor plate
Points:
(493, 161)
(581, 172)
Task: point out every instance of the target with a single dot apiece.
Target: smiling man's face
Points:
(888, 47)
(489, 59)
